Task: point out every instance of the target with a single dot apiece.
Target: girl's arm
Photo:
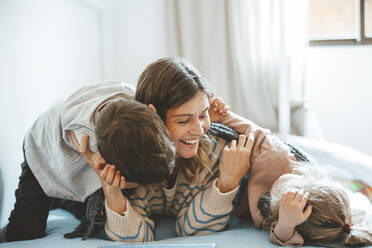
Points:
(291, 214)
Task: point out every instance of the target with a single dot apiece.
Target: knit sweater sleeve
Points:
(133, 226)
(208, 212)
(243, 125)
(296, 240)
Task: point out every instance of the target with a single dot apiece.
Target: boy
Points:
(121, 132)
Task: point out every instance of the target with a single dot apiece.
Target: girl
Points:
(306, 207)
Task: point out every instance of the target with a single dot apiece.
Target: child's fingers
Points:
(100, 166)
(304, 199)
(74, 140)
(123, 183)
(308, 211)
(299, 196)
(105, 172)
(110, 175)
(211, 99)
(116, 181)
(84, 148)
(225, 110)
(219, 104)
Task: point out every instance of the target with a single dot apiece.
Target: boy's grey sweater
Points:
(59, 168)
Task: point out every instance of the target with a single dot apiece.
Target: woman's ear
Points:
(152, 107)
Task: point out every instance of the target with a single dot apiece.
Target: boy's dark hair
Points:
(133, 138)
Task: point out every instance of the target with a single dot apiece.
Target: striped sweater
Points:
(200, 207)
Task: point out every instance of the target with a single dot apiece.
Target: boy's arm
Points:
(208, 212)
(291, 214)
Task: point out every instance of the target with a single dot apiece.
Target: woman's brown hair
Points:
(168, 83)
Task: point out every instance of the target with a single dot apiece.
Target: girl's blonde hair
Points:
(331, 220)
(168, 83)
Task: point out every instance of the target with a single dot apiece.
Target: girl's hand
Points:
(218, 110)
(291, 213)
(235, 163)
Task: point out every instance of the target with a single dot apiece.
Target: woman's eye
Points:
(182, 122)
(203, 116)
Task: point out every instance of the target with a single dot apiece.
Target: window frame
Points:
(361, 40)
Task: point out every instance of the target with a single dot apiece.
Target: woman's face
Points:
(188, 123)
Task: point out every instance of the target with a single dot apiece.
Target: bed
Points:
(341, 162)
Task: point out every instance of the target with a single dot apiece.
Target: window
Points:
(340, 22)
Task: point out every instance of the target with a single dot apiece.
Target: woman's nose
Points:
(197, 128)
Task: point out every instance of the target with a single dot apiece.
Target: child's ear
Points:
(152, 107)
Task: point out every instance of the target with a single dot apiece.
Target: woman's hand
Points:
(112, 183)
(235, 163)
(110, 178)
(291, 213)
(218, 110)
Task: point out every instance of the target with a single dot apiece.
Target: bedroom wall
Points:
(43, 57)
(339, 80)
(138, 36)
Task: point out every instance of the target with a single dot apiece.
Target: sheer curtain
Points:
(251, 51)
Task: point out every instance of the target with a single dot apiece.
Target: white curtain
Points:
(245, 48)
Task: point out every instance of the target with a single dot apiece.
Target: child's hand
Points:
(291, 214)
(94, 159)
(218, 110)
(291, 208)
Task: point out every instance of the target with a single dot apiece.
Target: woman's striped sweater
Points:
(200, 207)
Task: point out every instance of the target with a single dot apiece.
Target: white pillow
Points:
(350, 163)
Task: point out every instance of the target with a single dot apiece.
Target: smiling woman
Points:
(180, 95)
(188, 123)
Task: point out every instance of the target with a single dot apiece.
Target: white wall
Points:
(339, 80)
(138, 36)
(48, 48)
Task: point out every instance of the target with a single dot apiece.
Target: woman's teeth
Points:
(190, 142)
